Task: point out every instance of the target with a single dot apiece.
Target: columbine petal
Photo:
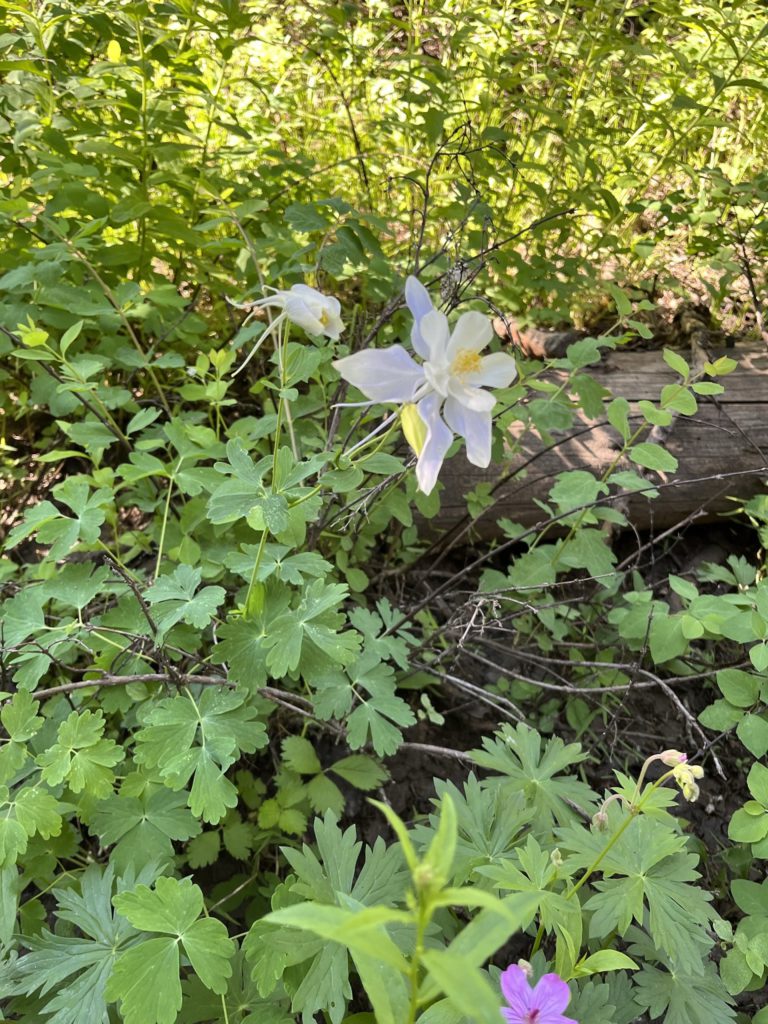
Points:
(436, 334)
(418, 301)
(516, 990)
(383, 375)
(474, 427)
(496, 371)
(436, 446)
(472, 332)
(301, 314)
(471, 398)
(550, 996)
(312, 296)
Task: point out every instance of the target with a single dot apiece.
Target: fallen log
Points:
(722, 450)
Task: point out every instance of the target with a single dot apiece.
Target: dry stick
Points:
(302, 706)
(145, 677)
(429, 748)
(692, 724)
(545, 523)
(756, 303)
(498, 703)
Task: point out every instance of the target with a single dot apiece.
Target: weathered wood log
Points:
(722, 451)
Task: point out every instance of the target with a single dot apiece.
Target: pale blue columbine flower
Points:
(541, 1004)
(446, 388)
(305, 307)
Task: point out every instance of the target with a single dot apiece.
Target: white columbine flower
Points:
(446, 389)
(304, 306)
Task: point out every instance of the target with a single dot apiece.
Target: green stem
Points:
(256, 564)
(418, 950)
(166, 513)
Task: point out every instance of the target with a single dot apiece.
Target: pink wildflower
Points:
(542, 1004)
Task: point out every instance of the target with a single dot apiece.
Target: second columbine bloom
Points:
(446, 391)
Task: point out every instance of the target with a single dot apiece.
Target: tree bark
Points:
(722, 450)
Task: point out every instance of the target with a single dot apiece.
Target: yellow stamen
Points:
(324, 318)
(466, 361)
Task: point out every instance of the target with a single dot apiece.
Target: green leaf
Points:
(465, 986)
(678, 399)
(174, 908)
(361, 771)
(145, 982)
(739, 688)
(20, 717)
(752, 730)
(442, 849)
(76, 969)
(757, 782)
(299, 755)
(184, 739)
(653, 456)
(685, 998)
(81, 757)
(605, 960)
(143, 828)
(524, 764)
(174, 599)
(623, 303)
(676, 362)
(313, 625)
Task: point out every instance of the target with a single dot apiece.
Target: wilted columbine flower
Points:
(542, 1004)
(304, 306)
(444, 394)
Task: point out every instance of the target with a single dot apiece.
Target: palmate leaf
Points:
(647, 871)
(686, 999)
(488, 824)
(243, 1003)
(316, 623)
(327, 881)
(75, 969)
(183, 738)
(143, 828)
(62, 532)
(521, 766)
(175, 598)
(243, 644)
(81, 757)
(24, 813)
(145, 979)
(381, 712)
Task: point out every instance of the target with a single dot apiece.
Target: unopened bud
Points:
(423, 876)
(672, 757)
(556, 857)
(600, 821)
(526, 968)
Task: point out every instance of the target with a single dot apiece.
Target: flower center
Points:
(466, 361)
(532, 1016)
(324, 317)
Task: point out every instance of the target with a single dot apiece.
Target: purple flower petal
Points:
(550, 996)
(517, 992)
